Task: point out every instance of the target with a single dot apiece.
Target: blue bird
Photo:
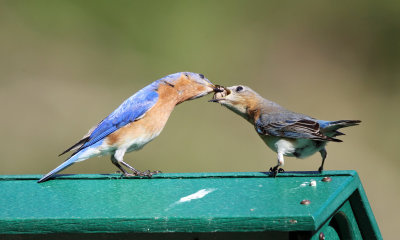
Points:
(137, 121)
(285, 132)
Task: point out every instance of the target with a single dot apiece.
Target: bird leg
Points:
(275, 170)
(124, 172)
(136, 172)
(117, 158)
(323, 155)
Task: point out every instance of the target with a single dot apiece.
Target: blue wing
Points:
(290, 125)
(130, 110)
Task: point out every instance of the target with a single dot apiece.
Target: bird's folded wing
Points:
(129, 111)
(291, 127)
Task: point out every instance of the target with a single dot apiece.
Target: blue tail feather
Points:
(71, 160)
(334, 125)
(63, 166)
(330, 127)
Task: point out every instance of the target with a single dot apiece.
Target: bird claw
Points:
(147, 173)
(275, 170)
(128, 174)
(320, 169)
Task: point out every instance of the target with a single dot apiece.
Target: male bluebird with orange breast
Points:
(285, 132)
(137, 121)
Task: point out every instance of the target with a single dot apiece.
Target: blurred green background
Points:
(64, 65)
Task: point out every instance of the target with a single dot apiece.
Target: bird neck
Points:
(261, 106)
(253, 109)
(253, 113)
(168, 95)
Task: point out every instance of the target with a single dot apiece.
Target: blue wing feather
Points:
(129, 111)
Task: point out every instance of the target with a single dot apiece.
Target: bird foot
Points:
(275, 170)
(320, 169)
(147, 173)
(128, 174)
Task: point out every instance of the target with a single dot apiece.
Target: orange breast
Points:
(152, 122)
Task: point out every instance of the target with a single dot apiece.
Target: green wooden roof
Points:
(181, 202)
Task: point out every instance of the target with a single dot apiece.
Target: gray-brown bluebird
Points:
(285, 132)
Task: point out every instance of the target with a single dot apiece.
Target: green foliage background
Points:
(64, 65)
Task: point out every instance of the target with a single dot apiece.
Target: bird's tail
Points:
(63, 166)
(330, 128)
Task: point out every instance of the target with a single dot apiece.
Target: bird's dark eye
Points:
(187, 75)
(201, 75)
(239, 88)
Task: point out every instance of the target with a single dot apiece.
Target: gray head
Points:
(240, 99)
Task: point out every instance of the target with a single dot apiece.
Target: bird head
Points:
(189, 85)
(240, 99)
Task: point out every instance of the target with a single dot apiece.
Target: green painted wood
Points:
(330, 233)
(342, 225)
(154, 236)
(345, 221)
(363, 213)
(167, 203)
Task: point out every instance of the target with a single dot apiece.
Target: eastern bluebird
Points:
(137, 121)
(285, 132)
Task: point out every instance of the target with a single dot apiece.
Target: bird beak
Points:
(218, 88)
(209, 88)
(220, 93)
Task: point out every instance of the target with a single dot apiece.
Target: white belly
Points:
(129, 145)
(139, 143)
(299, 148)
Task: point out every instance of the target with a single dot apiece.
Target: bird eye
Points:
(187, 75)
(239, 88)
(201, 75)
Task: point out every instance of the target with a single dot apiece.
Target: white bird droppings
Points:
(313, 183)
(199, 194)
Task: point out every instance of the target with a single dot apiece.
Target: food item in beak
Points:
(221, 93)
(218, 88)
